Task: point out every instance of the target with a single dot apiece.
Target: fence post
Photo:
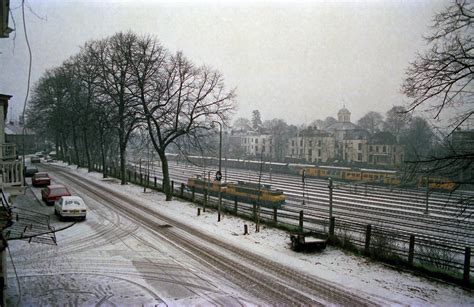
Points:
(275, 214)
(367, 239)
(235, 205)
(332, 223)
(154, 179)
(199, 211)
(301, 221)
(193, 195)
(411, 249)
(172, 187)
(254, 211)
(182, 190)
(467, 265)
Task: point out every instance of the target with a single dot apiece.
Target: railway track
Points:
(441, 223)
(270, 280)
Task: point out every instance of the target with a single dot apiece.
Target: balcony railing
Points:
(11, 176)
(8, 151)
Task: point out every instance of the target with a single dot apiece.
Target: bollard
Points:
(154, 179)
(246, 229)
(367, 239)
(467, 265)
(235, 205)
(301, 221)
(172, 187)
(411, 249)
(275, 214)
(199, 211)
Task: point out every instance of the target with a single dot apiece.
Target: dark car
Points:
(30, 171)
(40, 180)
(52, 193)
(35, 160)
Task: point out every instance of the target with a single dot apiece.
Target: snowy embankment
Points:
(352, 272)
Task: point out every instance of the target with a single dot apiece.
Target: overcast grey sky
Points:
(295, 60)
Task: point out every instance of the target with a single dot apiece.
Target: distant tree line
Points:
(91, 105)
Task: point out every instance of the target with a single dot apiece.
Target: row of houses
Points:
(341, 142)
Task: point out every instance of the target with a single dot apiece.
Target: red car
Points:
(52, 193)
(40, 180)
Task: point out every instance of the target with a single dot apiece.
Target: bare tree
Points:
(397, 119)
(113, 58)
(372, 122)
(440, 80)
(179, 100)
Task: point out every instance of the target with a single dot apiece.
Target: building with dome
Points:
(342, 142)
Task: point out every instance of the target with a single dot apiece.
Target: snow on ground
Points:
(354, 273)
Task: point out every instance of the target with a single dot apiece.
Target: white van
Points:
(70, 207)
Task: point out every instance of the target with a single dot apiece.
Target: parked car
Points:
(35, 160)
(30, 171)
(39, 154)
(40, 180)
(70, 207)
(52, 193)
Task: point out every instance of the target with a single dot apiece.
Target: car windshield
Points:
(41, 175)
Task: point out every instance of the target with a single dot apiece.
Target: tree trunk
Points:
(166, 176)
(123, 173)
(76, 149)
(87, 150)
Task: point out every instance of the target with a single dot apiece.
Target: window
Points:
(263, 148)
(270, 141)
(256, 148)
(256, 141)
(359, 156)
(310, 143)
(360, 146)
(301, 152)
(292, 142)
(310, 152)
(292, 151)
(319, 143)
(301, 142)
(263, 141)
(384, 148)
(319, 152)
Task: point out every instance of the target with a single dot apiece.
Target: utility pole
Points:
(330, 186)
(304, 185)
(427, 193)
(219, 174)
(257, 228)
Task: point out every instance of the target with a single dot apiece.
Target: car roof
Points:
(56, 186)
(72, 198)
(41, 174)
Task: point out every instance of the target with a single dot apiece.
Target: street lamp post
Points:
(220, 173)
(219, 178)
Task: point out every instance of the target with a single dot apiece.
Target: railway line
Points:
(401, 211)
(270, 280)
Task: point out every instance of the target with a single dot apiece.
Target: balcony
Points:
(11, 177)
(8, 151)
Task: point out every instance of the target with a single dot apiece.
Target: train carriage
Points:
(241, 191)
